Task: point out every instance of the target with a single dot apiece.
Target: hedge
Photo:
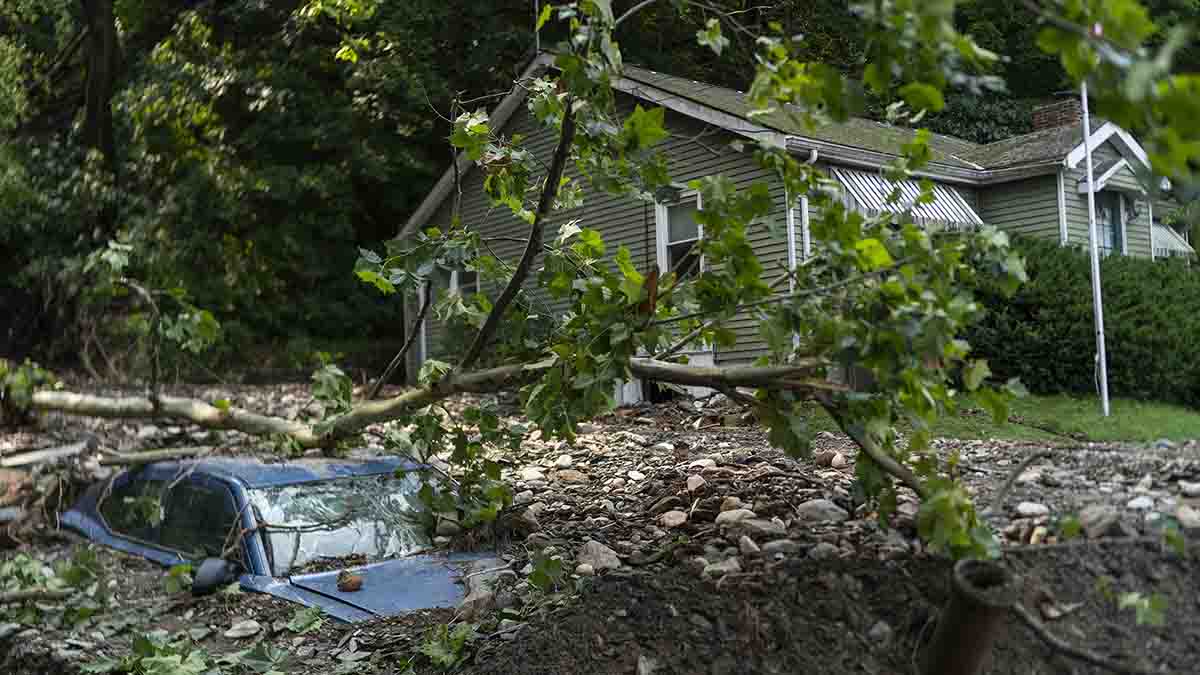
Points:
(1044, 334)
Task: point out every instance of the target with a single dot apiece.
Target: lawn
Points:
(1061, 418)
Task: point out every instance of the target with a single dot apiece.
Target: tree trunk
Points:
(102, 61)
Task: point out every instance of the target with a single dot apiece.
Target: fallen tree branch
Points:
(1002, 495)
(872, 449)
(112, 458)
(532, 246)
(26, 595)
(408, 343)
(1054, 642)
(49, 454)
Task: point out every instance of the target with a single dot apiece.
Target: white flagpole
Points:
(1093, 240)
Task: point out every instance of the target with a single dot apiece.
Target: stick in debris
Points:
(49, 454)
(1057, 643)
(35, 594)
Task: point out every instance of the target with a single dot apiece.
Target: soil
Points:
(817, 617)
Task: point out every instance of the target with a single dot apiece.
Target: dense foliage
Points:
(1044, 334)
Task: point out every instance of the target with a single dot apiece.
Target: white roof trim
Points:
(1101, 181)
(499, 117)
(686, 106)
(1128, 146)
(871, 191)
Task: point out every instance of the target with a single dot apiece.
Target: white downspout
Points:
(1150, 217)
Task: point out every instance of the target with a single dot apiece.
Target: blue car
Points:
(287, 529)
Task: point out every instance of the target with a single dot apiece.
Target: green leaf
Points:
(544, 16)
(922, 96)
(710, 36)
(873, 253)
(975, 373)
(377, 280)
(644, 129)
(1070, 527)
(346, 53)
(306, 620)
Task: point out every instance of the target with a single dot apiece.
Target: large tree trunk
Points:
(102, 63)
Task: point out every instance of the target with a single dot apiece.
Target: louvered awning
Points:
(1167, 242)
(870, 192)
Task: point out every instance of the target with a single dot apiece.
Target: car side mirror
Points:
(212, 574)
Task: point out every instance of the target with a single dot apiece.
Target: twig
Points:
(545, 202)
(35, 594)
(155, 335)
(885, 462)
(408, 343)
(1039, 629)
(1002, 495)
(687, 339)
(111, 458)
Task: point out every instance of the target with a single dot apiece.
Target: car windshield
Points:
(364, 518)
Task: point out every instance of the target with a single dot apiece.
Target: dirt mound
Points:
(848, 617)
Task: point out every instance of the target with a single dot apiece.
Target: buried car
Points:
(297, 530)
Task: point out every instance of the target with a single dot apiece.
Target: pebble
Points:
(720, 569)
(599, 556)
(1100, 520)
(880, 633)
(733, 516)
(525, 497)
(839, 461)
(1188, 517)
(616, 483)
(781, 546)
(747, 546)
(731, 503)
(563, 462)
(821, 510)
(571, 476)
(532, 474)
(1144, 484)
(636, 475)
(695, 482)
(1189, 489)
(585, 570)
(823, 551)
(703, 463)
(825, 458)
(663, 447)
(1032, 510)
(672, 519)
(1142, 503)
(762, 528)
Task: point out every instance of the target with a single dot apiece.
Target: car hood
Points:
(394, 586)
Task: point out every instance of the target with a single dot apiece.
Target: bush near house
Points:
(1044, 334)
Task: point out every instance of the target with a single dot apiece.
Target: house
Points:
(1033, 184)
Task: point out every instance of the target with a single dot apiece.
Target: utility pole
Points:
(1093, 241)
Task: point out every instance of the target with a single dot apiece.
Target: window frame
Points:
(216, 485)
(662, 229)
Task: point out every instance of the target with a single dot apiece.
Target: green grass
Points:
(1061, 418)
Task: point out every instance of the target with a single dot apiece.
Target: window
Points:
(1109, 223)
(199, 519)
(134, 509)
(678, 234)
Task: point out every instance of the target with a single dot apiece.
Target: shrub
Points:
(1044, 334)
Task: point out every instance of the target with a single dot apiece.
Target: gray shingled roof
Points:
(1039, 146)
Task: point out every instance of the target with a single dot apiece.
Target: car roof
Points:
(257, 473)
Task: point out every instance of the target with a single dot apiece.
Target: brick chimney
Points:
(1057, 114)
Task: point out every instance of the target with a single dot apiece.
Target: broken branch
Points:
(1054, 642)
(408, 343)
(10, 597)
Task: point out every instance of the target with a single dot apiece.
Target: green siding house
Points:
(1033, 184)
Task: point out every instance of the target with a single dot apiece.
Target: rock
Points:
(697, 564)
(448, 528)
(781, 546)
(760, 527)
(571, 476)
(480, 579)
(1032, 510)
(1189, 489)
(1165, 444)
(720, 569)
(599, 556)
(839, 461)
(585, 570)
(148, 431)
(563, 462)
(243, 629)
(695, 482)
(586, 428)
(1142, 503)
(747, 546)
(731, 503)
(668, 503)
(8, 629)
(1100, 520)
(672, 519)
(823, 551)
(525, 497)
(636, 475)
(646, 665)
(728, 517)
(1039, 534)
(441, 541)
(663, 447)
(631, 437)
(526, 523)
(703, 463)
(825, 458)
(1145, 484)
(532, 474)
(820, 510)
(1188, 517)
(880, 633)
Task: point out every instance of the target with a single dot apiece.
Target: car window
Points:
(134, 509)
(199, 519)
